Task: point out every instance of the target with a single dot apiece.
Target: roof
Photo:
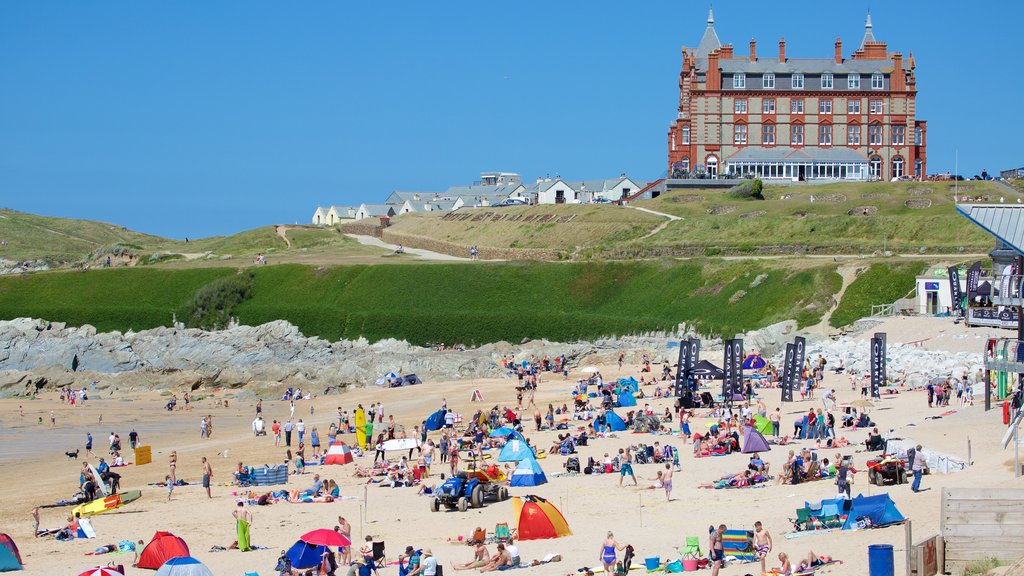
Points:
(342, 208)
(377, 209)
(1006, 223)
(503, 190)
(710, 39)
(869, 36)
(415, 196)
(802, 65)
(808, 154)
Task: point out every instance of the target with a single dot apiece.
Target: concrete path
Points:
(421, 253)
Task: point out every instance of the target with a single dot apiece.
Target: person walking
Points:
(133, 438)
(625, 467)
(607, 554)
(717, 549)
(762, 544)
(288, 427)
(300, 427)
(88, 444)
(918, 464)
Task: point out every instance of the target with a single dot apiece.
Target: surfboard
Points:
(108, 503)
(361, 429)
(400, 444)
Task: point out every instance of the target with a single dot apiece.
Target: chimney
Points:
(753, 50)
(897, 80)
(725, 52)
(839, 51)
(782, 50)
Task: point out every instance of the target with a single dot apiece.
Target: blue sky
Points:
(194, 118)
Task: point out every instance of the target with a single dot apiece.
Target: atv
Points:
(469, 489)
(887, 469)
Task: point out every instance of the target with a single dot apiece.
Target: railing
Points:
(883, 310)
(1009, 288)
(1005, 355)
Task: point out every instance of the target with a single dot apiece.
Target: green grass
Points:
(29, 236)
(879, 284)
(981, 567)
(426, 303)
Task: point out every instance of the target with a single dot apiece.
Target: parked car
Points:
(511, 202)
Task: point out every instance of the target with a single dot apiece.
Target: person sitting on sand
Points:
(785, 567)
(481, 557)
(498, 561)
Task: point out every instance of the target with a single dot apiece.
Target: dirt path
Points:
(282, 231)
(669, 218)
(849, 273)
(421, 253)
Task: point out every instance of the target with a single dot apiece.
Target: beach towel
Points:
(243, 536)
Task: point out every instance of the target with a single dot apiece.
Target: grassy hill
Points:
(29, 237)
(447, 302)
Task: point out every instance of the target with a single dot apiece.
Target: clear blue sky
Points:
(193, 118)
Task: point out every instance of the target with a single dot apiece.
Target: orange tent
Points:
(537, 519)
(160, 549)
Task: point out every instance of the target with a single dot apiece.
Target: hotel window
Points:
(918, 136)
(826, 81)
(853, 135)
(898, 135)
(796, 135)
(739, 80)
(853, 106)
(739, 134)
(768, 134)
(875, 135)
(798, 81)
(740, 106)
(875, 167)
(877, 81)
(768, 80)
(875, 107)
(768, 106)
(824, 107)
(853, 81)
(796, 106)
(824, 135)
(686, 135)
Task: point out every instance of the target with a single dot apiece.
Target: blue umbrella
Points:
(303, 555)
(501, 432)
(183, 566)
(754, 362)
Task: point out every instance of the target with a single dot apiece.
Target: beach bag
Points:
(676, 566)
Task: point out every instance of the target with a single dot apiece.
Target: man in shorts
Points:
(762, 543)
(481, 557)
(717, 549)
(625, 466)
(207, 474)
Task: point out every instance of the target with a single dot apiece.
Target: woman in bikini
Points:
(608, 548)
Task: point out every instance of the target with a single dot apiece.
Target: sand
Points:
(36, 471)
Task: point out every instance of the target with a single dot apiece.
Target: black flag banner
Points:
(787, 368)
(680, 386)
(799, 355)
(728, 365)
(877, 360)
(737, 367)
(954, 289)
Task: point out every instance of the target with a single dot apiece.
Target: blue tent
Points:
(626, 399)
(305, 555)
(435, 421)
(528, 473)
(629, 384)
(880, 509)
(516, 450)
(615, 423)
(8, 561)
(183, 566)
(501, 432)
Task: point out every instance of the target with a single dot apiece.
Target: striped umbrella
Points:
(102, 571)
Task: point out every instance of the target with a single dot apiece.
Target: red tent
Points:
(338, 453)
(7, 542)
(160, 549)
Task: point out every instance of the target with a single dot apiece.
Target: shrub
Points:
(213, 304)
(747, 190)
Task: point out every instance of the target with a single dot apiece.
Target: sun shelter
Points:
(872, 511)
(626, 399)
(528, 473)
(739, 544)
(501, 432)
(160, 549)
(183, 566)
(629, 384)
(10, 558)
(613, 422)
(435, 421)
(8, 543)
(516, 450)
(338, 453)
(538, 519)
(754, 441)
(705, 370)
(762, 424)
(270, 476)
(304, 555)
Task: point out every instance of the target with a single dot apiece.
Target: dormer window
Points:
(768, 80)
(877, 81)
(739, 80)
(853, 82)
(798, 81)
(826, 81)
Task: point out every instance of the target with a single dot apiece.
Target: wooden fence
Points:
(982, 523)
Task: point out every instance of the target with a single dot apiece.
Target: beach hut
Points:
(183, 566)
(304, 555)
(538, 519)
(338, 453)
(754, 441)
(160, 549)
(435, 421)
(516, 450)
(528, 473)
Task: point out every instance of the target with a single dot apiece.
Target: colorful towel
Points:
(243, 536)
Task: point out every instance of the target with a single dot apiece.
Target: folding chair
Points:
(501, 532)
(692, 550)
(379, 561)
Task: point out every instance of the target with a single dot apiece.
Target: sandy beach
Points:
(35, 471)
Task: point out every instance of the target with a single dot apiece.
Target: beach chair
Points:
(803, 516)
(692, 550)
(379, 560)
(501, 533)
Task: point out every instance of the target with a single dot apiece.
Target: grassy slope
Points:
(446, 302)
(62, 239)
(879, 284)
(823, 226)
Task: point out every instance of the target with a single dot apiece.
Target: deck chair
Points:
(379, 560)
(501, 532)
(803, 516)
(479, 536)
(692, 550)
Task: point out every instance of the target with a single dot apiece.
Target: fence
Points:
(979, 523)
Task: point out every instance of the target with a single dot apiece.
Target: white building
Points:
(560, 191)
(375, 211)
(333, 215)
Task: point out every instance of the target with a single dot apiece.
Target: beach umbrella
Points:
(325, 537)
(501, 432)
(589, 370)
(102, 571)
(391, 375)
(754, 362)
(304, 555)
(183, 566)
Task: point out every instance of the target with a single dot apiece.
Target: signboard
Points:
(925, 556)
(728, 367)
(931, 286)
(680, 384)
(1003, 315)
(877, 365)
(787, 368)
(737, 367)
(954, 289)
(799, 355)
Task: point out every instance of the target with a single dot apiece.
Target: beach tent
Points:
(537, 519)
(501, 432)
(615, 422)
(8, 543)
(626, 399)
(435, 421)
(270, 476)
(528, 473)
(516, 450)
(705, 370)
(410, 379)
(880, 509)
(338, 453)
(762, 424)
(754, 362)
(753, 441)
(629, 384)
(10, 558)
(160, 549)
(183, 566)
(304, 555)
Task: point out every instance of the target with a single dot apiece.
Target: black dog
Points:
(72, 455)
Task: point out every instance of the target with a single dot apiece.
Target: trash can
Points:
(880, 560)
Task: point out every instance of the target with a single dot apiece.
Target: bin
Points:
(880, 560)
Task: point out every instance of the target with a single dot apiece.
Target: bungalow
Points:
(332, 215)
(375, 211)
(585, 191)
(399, 198)
(477, 201)
(431, 206)
(320, 216)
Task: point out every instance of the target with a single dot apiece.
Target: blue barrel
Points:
(880, 560)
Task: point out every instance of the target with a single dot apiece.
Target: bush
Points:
(214, 303)
(747, 190)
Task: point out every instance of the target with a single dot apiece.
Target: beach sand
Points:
(35, 471)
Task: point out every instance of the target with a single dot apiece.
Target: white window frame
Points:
(768, 106)
(899, 167)
(796, 134)
(739, 80)
(875, 167)
(877, 81)
(853, 135)
(798, 81)
(876, 134)
(853, 106)
(768, 134)
(827, 81)
(796, 106)
(739, 106)
(739, 136)
(876, 106)
(768, 80)
(824, 135)
(685, 135)
(853, 81)
(898, 135)
(825, 106)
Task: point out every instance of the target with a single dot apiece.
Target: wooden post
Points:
(909, 533)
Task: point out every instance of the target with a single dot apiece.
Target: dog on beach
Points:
(72, 455)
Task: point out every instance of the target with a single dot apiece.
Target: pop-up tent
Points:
(160, 549)
(880, 510)
(516, 450)
(303, 555)
(626, 399)
(753, 441)
(528, 473)
(435, 421)
(762, 424)
(338, 453)
(183, 566)
(614, 422)
(410, 380)
(629, 384)
(537, 519)
(10, 558)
